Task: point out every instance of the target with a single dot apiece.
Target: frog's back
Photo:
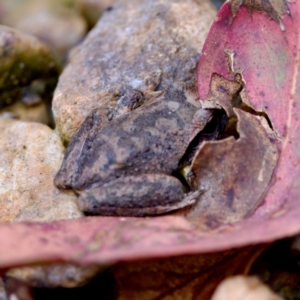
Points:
(150, 139)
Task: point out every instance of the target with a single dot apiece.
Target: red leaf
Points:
(269, 60)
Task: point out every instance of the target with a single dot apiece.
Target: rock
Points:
(24, 60)
(93, 9)
(30, 155)
(137, 45)
(55, 276)
(57, 23)
(243, 288)
(34, 113)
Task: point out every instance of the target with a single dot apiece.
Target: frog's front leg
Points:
(82, 141)
(79, 147)
(149, 194)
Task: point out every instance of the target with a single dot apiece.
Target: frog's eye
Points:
(137, 99)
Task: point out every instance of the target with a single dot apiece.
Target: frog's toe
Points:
(61, 181)
(150, 194)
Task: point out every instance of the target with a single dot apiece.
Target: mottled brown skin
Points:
(124, 167)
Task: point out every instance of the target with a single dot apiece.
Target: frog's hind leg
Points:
(149, 194)
(79, 145)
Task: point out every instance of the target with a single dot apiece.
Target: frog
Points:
(126, 166)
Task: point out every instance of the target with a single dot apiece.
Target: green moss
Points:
(23, 60)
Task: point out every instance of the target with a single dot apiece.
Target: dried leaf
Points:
(234, 175)
(185, 277)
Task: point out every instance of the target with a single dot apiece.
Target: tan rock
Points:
(93, 9)
(243, 288)
(8, 7)
(138, 44)
(30, 155)
(34, 113)
(54, 22)
(55, 276)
